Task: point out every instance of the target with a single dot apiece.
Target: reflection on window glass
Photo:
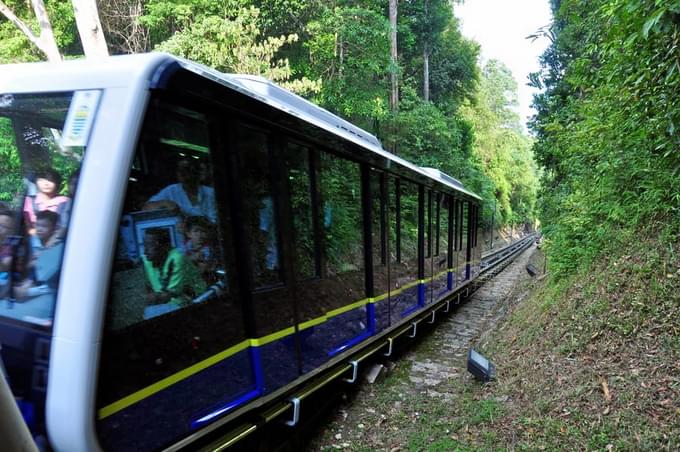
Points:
(429, 227)
(394, 215)
(168, 254)
(464, 222)
(258, 205)
(379, 235)
(443, 238)
(409, 224)
(170, 293)
(38, 179)
(342, 218)
(300, 186)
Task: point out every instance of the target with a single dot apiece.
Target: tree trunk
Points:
(426, 59)
(90, 28)
(394, 94)
(426, 72)
(45, 42)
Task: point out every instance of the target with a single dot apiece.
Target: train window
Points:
(342, 217)
(465, 209)
(409, 226)
(461, 226)
(436, 226)
(428, 223)
(456, 220)
(39, 174)
(301, 190)
(443, 225)
(171, 303)
(451, 236)
(379, 235)
(395, 220)
(259, 205)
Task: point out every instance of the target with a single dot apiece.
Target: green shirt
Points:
(178, 276)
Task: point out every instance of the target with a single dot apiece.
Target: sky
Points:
(501, 27)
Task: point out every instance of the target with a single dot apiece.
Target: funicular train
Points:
(219, 241)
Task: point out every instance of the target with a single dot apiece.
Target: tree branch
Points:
(19, 24)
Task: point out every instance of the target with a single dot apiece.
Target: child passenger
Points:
(47, 198)
(198, 231)
(173, 280)
(46, 252)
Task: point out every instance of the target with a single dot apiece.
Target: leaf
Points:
(652, 21)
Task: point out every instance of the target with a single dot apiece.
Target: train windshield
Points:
(42, 143)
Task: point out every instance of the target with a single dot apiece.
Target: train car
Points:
(182, 246)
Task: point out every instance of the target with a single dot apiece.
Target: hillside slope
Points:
(593, 361)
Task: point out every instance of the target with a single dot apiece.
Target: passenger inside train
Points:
(42, 273)
(172, 279)
(188, 195)
(35, 206)
(47, 197)
(199, 246)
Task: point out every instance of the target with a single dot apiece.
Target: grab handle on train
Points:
(415, 328)
(355, 372)
(296, 412)
(389, 347)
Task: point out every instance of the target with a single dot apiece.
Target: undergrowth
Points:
(592, 361)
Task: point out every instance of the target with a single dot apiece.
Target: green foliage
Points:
(349, 50)
(607, 124)
(15, 46)
(502, 148)
(231, 45)
(453, 69)
(10, 176)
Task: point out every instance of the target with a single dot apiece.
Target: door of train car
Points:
(176, 340)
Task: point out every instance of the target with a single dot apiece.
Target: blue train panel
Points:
(277, 363)
(176, 411)
(334, 336)
(405, 302)
(438, 287)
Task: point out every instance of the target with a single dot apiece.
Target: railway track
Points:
(286, 418)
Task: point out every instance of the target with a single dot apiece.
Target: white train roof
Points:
(125, 69)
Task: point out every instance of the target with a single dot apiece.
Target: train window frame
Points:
(427, 223)
(237, 183)
(331, 153)
(314, 195)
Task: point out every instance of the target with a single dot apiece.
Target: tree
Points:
(45, 41)
(348, 50)
(232, 45)
(501, 145)
(122, 24)
(607, 125)
(87, 19)
(394, 86)
(90, 28)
